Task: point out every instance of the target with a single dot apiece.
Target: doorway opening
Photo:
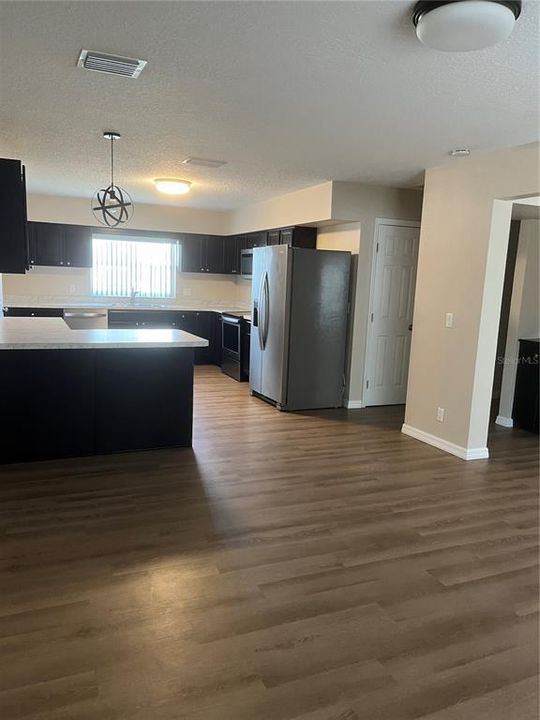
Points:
(515, 383)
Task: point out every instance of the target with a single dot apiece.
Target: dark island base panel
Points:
(69, 403)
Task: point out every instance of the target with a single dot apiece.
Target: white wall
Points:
(363, 203)
(463, 242)
(524, 320)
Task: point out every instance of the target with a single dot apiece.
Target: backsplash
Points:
(43, 286)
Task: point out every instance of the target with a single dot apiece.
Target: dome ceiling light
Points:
(464, 25)
(172, 186)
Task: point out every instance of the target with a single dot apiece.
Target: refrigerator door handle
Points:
(266, 293)
(260, 313)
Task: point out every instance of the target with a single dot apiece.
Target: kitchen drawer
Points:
(33, 312)
(144, 319)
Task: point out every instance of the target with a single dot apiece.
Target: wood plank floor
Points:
(317, 566)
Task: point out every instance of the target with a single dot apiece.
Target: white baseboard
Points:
(504, 421)
(354, 404)
(458, 450)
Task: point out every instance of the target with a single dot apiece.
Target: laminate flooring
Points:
(309, 566)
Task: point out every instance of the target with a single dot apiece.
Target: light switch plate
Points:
(449, 320)
(440, 414)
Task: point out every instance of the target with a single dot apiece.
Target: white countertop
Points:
(78, 303)
(54, 334)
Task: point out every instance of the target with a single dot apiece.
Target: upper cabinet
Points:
(256, 239)
(202, 253)
(59, 245)
(13, 237)
(232, 250)
(213, 253)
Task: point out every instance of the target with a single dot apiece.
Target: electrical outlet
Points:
(440, 414)
(449, 320)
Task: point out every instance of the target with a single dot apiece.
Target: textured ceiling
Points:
(290, 94)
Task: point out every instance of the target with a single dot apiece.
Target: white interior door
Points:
(390, 322)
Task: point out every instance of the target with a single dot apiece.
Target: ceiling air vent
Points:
(111, 64)
(203, 162)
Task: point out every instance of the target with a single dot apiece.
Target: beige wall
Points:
(51, 208)
(463, 242)
(310, 206)
(524, 320)
(363, 203)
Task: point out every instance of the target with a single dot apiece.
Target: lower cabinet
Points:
(33, 312)
(200, 323)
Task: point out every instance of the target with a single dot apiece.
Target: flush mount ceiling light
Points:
(112, 206)
(464, 25)
(172, 186)
(460, 152)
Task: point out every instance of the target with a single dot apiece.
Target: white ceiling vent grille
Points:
(203, 162)
(111, 64)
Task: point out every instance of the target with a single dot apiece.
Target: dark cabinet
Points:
(213, 251)
(256, 239)
(191, 249)
(49, 397)
(149, 319)
(33, 312)
(45, 244)
(526, 398)
(77, 246)
(59, 245)
(246, 341)
(273, 237)
(204, 327)
(202, 254)
(200, 323)
(298, 236)
(187, 321)
(13, 225)
(233, 247)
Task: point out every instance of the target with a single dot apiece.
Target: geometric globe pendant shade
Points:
(112, 205)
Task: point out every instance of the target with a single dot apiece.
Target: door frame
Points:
(369, 331)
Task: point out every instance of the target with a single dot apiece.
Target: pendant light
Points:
(465, 25)
(112, 206)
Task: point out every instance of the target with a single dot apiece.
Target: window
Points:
(132, 266)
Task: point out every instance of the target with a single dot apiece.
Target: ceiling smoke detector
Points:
(203, 162)
(110, 64)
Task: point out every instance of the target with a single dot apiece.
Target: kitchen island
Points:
(68, 393)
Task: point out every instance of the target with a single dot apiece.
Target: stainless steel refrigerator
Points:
(300, 302)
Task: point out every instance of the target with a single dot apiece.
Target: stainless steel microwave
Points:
(246, 263)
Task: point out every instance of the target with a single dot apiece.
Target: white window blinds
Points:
(128, 267)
